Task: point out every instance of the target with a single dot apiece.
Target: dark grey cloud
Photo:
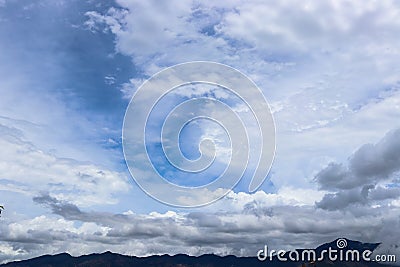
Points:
(72, 212)
(64, 209)
(369, 164)
(203, 219)
(360, 182)
(344, 198)
(239, 230)
(366, 195)
(382, 193)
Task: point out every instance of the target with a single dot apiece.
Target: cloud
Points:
(342, 199)
(163, 27)
(239, 225)
(380, 160)
(370, 177)
(26, 169)
(62, 208)
(371, 163)
(305, 29)
(367, 195)
(382, 193)
(329, 77)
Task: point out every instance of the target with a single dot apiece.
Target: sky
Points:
(328, 69)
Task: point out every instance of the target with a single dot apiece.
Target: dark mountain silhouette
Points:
(109, 259)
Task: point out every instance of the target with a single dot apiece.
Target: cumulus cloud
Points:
(369, 164)
(240, 225)
(370, 175)
(342, 199)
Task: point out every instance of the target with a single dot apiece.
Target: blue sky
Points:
(329, 71)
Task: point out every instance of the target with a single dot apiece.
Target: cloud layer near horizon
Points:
(238, 224)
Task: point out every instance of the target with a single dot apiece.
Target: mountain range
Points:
(109, 259)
